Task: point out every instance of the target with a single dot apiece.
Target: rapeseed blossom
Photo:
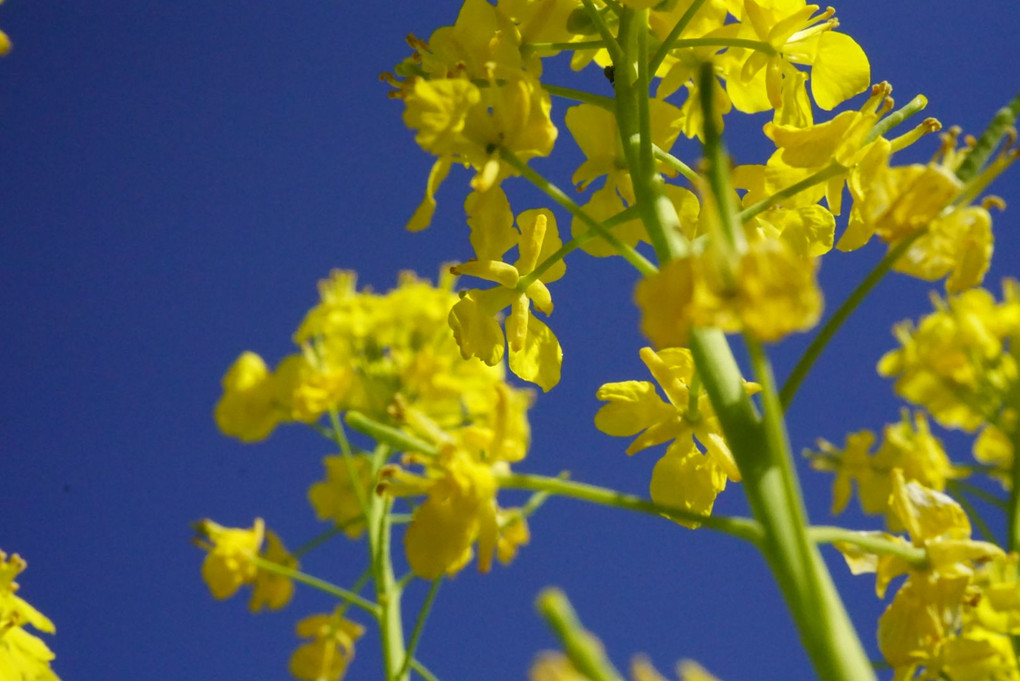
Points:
(907, 446)
(460, 509)
(956, 362)
(535, 354)
(330, 648)
(231, 562)
(685, 477)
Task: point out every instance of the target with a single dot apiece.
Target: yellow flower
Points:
(954, 362)
(769, 292)
(306, 388)
(463, 123)
(757, 78)
(272, 590)
(684, 477)
(325, 657)
(898, 202)
(335, 499)
(936, 524)
(229, 562)
(460, 509)
(22, 654)
(535, 354)
(246, 409)
(907, 446)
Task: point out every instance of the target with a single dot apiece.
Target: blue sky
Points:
(175, 179)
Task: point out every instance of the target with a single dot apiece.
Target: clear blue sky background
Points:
(175, 177)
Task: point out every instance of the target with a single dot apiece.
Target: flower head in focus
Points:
(685, 477)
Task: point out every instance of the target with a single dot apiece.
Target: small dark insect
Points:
(610, 73)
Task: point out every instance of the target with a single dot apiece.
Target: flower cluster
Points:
(420, 369)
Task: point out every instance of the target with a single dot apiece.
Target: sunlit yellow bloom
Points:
(5, 44)
(954, 362)
(535, 354)
(554, 666)
(684, 477)
(907, 446)
(796, 35)
(692, 671)
(272, 590)
(935, 523)
(335, 499)
(461, 122)
(325, 657)
(483, 36)
(994, 448)
(930, 204)
(923, 614)
(596, 132)
(229, 562)
(459, 510)
(23, 656)
(246, 409)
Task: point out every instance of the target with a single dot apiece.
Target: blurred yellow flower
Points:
(329, 651)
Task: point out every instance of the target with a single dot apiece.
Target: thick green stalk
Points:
(774, 496)
(633, 119)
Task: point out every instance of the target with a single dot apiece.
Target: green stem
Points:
(580, 646)
(630, 254)
(320, 584)
(340, 437)
(633, 118)
(608, 38)
(718, 170)
(423, 671)
(990, 138)
(600, 101)
(742, 528)
(387, 591)
(832, 170)
(323, 537)
(669, 42)
(419, 624)
(916, 104)
(975, 518)
(773, 494)
(824, 534)
(388, 435)
(676, 164)
(819, 343)
(964, 487)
